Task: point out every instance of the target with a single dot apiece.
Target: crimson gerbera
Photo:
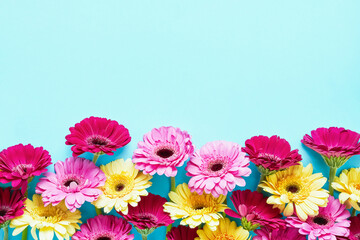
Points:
(182, 233)
(19, 164)
(97, 135)
(11, 204)
(254, 212)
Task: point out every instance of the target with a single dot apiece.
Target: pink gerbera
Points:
(278, 234)
(19, 164)
(11, 204)
(354, 229)
(104, 227)
(76, 180)
(272, 153)
(149, 213)
(97, 135)
(327, 225)
(182, 233)
(336, 145)
(217, 168)
(162, 150)
(254, 212)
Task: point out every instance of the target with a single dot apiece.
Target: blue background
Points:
(222, 70)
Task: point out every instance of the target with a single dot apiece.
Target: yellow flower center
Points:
(224, 236)
(118, 185)
(49, 214)
(201, 204)
(356, 186)
(294, 189)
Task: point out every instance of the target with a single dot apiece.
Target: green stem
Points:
(262, 178)
(332, 175)
(98, 211)
(6, 233)
(225, 202)
(172, 184)
(144, 237)
(96, 156)
(353, 214)
(24, 234)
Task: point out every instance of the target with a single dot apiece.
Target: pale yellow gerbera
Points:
(348, 184)
(49, 220)
(226, 230)
(124, 185)
(296, 188)
(195, 209)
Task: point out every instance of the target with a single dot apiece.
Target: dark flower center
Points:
(23, 168)
(103, 238)
(98, 140)
(147, 217)
(199, 207)
(120, 187)
(216, 167)
(292, 189)
(320, 220)
(68, 182)
(165, 153)
(3, 212)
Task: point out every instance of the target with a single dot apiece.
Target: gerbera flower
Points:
(11, 204)
(271, 154)
(162, 150)
(348, 186)
(149, 213)
(226, 230)
(97, 135)
(217, 168)
(297, 189)
(182, 233)
(354, 229)
(124, 185)
(254, 212)
(76, 180)
(278, 234)
(335, 145)
(193, 208)
(48, 220)
(328, 224)
(104, 227)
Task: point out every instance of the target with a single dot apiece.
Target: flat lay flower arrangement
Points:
(289, 203)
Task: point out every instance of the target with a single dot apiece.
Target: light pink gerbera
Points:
(76, 180)
(278, 234)
(254, 212)
(217, 168)
(162, 150)
(104, 227)
(334, 144)
(327, 225)
(96, 135)
(149, 213)
(354, 229)
(20, 163)
(11, 204)
(272, 153)
(182, 233)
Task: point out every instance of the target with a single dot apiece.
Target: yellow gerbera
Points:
(49, 220)
(348, 184)
(226, 230)
(193, 208)
(124, 185)
(297, 188)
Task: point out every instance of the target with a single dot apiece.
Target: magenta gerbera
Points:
(278, 234)
(254, 212)
(354, 229)
(97, 135)
(182, 233)
(327, 225)
(76, 180)
(104, 227)
(19, 164)
(217, 168)
(162, 151)
(272, 153)
(149, 213)
(11, 204)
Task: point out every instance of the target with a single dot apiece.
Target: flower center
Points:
(98, 140)
(224, 236)
(165, 152)
(22, 168)
(3, 212)
(68, 182)
(292, 188)
(357, 236)
(216, 167)
(120, 187)
(320, 220)
(199, 207)
(49, 214)
(103, 238)
(147, 217)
